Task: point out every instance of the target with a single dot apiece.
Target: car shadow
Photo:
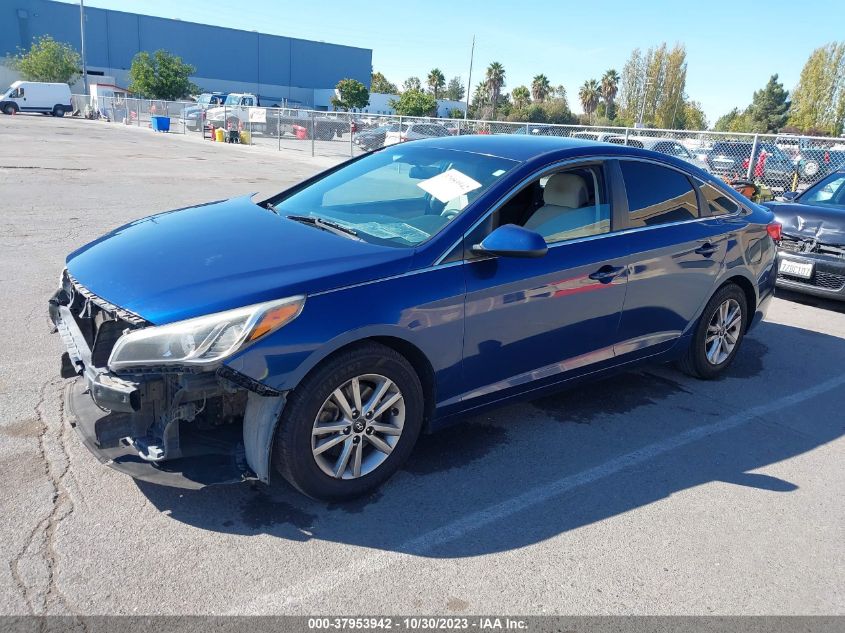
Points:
(514, 454)
(811, 300)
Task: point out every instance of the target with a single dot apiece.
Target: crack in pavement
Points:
(42, 593)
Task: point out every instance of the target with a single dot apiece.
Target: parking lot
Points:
(647, 493)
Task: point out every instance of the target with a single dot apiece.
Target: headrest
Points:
(566, 190)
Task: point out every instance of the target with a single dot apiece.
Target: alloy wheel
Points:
(723, 332)
(358, 426)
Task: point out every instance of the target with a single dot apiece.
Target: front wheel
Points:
(350, 424)
(58, 111)
(718, 335)
(10, 108)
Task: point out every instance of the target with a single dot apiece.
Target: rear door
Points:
(676, 254)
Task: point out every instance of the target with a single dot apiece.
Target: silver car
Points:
(664, 145)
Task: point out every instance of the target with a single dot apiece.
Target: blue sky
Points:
(732, 47)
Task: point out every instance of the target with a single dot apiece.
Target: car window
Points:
(566, 205)
(657, 195)
(717, 201)
(830, 192)
(681, 151)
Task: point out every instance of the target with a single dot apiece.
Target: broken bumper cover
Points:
(104, 409)
(209, 460)
(827, 276)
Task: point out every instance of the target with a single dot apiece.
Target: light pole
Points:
(82, 37)
(646, 85)
(469, 79)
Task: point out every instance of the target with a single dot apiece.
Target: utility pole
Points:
(82, 37)
(469, 79)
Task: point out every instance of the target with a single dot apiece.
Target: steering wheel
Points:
(449, 214)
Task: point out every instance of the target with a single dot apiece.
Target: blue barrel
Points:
(160, 123)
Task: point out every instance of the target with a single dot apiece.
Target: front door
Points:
(535, 320)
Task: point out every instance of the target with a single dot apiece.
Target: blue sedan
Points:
(316, 334)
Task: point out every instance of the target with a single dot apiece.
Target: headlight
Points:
(204, 340)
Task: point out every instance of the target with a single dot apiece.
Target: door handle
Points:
(707, 249)
(607, 273)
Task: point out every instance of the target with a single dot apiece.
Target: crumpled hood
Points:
(823, 224)
(204, 259)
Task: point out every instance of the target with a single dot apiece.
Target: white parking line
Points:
(325, 582)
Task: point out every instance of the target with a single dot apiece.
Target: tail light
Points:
(774, 231)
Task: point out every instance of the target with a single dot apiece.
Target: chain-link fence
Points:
(774, 162)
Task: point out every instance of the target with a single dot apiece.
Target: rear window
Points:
(657, 195)
(717, 201)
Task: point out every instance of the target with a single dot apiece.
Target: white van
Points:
(34, 96)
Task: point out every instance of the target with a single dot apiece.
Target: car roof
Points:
(524, 147)
(650, 141)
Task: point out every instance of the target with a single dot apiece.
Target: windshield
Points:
(398, 196)
(828, 192)
(232, 100)
(204, 99)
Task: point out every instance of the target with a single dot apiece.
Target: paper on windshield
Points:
(449, 185)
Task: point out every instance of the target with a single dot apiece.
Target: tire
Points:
(58, 111)
(696, 361)
(313, 403)
(10, 108)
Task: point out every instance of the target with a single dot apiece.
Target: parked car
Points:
(815, 158)
(317, 333)
(194, 115)
(811, 253)
(374, 137)
(772, 166)
(668, 146)
(415, 132)
(543, 130)
(602, 137)
(36, 96)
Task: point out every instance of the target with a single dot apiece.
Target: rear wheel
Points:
(350, 424)
(718, 335)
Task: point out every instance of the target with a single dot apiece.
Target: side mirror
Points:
(511, 240)
(789, 196)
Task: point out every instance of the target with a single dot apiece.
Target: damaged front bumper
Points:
(186, 429)
(817, 274)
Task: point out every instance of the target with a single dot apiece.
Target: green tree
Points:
(455, 89)
(818, 102)
(521, 97)
(540, 88)
(380, 84)
(412, 83)
(770, 106)
(414, 103)
(352, 95)
(494, 81)
(589, 96)
(653, 85)
(48, 60)
(609, 89)
(693, 116)
(435, 82)
(161, 76)
(480, 104)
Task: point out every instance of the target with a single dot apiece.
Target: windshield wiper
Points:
(326, 225)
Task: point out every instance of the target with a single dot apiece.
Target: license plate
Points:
(796, 269)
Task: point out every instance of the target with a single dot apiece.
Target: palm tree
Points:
(495, 81)
(609, 89)
(521, 96)
(436, 81)
(589, 94)
(540, 88)
(480, 99)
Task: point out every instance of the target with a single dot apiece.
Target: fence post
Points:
(751, 158)
(313, 130)
(351, 143)
(626, 136)
(138, 112)
(279, 127)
